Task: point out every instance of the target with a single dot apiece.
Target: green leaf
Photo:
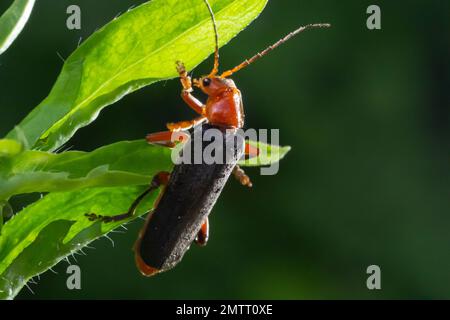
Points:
(9, 148)
(119, 164)
(13, 21)
(55, 227)
(268, 154)
(5, 212)
(135, 50)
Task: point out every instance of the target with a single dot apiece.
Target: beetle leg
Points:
(190, 100)
(167, 138)
(159, 179)
(185, 79)
(186, 82)
(185, 125)
(193, 102)
(251, 151)
(240, 175)
(203, 234)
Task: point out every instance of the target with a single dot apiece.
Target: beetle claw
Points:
(181, 68)
(98, 217)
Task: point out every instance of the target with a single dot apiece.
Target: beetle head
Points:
(213, 85)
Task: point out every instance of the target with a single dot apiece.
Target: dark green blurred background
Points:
(367, 181)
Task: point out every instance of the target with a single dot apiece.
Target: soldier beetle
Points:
(180, 215)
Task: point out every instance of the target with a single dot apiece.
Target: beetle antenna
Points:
(215, 70)
(272, 47)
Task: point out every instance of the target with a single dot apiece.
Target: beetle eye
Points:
(206, 82)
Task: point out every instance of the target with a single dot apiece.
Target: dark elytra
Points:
(189, 197)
